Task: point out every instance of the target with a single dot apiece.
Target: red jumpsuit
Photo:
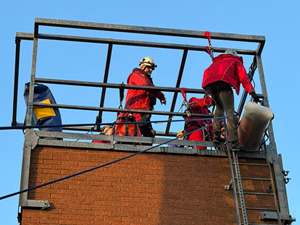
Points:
(226, 72)
(229, 69)
(140, 99)
(199, 105)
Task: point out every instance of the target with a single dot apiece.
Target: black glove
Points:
(163, 101)
(254, 96)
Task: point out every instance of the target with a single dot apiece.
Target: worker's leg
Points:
(228, 101)
(146, 128)
(214, 92)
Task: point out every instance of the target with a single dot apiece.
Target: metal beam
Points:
(139, 43)
(105, 77)
(91, 108)
(145, 30)
(118, 86)
(29, 110)
(183, 60)
(16, 82)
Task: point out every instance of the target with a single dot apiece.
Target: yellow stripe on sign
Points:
(42, 112)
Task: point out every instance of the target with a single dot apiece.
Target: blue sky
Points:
(277, 21)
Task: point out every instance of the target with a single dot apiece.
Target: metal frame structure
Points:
(32, 136)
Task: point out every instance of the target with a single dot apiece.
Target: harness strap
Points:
(209, 49)
(128, 119)
(126, 126)
(135, 126)
(121, 94)
(207, 34)
(192, 123)
(183, 92)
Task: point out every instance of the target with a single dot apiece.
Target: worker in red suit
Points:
(107, 130)
(199, 105)
(227, 72)
(143, 99)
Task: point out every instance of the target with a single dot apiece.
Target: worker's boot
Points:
(217, 137)
(236, 146)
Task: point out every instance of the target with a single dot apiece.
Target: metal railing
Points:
(40, 22)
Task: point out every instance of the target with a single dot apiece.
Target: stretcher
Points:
(254, 122)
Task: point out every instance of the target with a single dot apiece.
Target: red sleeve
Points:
(243, 77)
(144, 81)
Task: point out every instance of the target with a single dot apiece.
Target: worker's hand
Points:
(254, 96)
(153, 132)
(163, 101)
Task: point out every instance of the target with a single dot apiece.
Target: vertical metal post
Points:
(245, 93)
(275, 195)
(281, 189)
(271, 149)
(32, 83)
(183, 60)
(16, 82)
(25, 167)
(108, 58)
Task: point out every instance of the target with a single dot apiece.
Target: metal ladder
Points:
(239, 193)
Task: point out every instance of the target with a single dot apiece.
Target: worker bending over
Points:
(226, 72)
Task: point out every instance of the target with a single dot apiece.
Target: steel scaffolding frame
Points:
(271, 150)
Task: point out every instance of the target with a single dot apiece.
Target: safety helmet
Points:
(231, 52)
(180, 133)
(148, 62)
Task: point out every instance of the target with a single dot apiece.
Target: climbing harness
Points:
(121, 95)
(126, 125)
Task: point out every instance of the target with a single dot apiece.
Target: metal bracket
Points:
(268, 215)
(271, 153)
(43, 204)
(227, 187)
(273, 216)
(285, 174)
(29, 144)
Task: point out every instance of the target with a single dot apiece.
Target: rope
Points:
(103, 165)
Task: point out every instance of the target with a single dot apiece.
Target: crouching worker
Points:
(143, 99)
(227, 72)
(179, 136)
(198, 105)
(106, 130)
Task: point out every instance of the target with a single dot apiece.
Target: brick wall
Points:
(145, 189)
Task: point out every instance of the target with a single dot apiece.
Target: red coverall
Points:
(226, 72)
(199, 105)
(140, 99)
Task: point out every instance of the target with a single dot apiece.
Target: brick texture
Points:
(147, 189)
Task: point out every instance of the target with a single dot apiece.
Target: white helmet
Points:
(148, 62)
(231, 52)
